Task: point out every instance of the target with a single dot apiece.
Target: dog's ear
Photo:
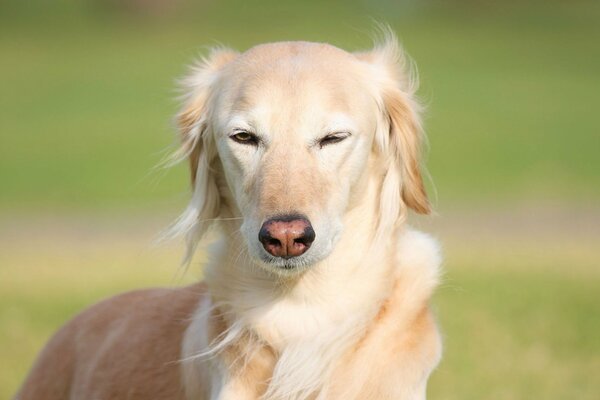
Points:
(399, 134)
(193, 122)
(192, 119)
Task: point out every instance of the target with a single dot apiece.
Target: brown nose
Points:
(286, 236)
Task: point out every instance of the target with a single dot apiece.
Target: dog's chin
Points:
(290, 267)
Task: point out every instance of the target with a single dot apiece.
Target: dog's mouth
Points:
(288, 264)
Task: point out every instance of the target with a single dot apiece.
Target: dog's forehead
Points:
(305, 77)
(281, 53)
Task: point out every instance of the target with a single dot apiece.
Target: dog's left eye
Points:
(333, 138)
(245, 137)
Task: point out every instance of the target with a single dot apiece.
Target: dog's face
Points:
(289, 129)
(293, 136)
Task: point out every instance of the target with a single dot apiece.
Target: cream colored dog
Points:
(307, 157)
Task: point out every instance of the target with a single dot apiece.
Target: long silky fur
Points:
(396, 81)
(203, 208)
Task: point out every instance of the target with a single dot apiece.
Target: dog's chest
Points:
(322, 367)
(291, 324)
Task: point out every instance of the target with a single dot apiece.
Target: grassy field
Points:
(87, 96)
(519, 305)
(519, 317)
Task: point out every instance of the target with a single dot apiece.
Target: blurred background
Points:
(512, 91)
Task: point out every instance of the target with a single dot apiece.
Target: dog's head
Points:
(283, 137)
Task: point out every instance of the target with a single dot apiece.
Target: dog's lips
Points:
(285, 264)
(280, 262)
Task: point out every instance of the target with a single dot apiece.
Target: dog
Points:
(307, 158)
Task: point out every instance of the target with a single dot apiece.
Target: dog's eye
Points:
(333, 138)
(244, 137)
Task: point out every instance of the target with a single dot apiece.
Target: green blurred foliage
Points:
(88, 92)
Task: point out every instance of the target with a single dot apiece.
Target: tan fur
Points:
(407, 141)
(127, 347)
(347, 320)
(249, 363)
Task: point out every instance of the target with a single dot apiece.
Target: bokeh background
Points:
(513, 94)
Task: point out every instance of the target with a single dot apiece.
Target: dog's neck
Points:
(349, 284)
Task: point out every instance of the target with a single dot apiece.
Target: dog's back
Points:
(126, 347)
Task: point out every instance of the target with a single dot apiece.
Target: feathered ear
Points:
(192, 119)
(399, 135)
(193, 122)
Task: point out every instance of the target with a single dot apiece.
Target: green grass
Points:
(518, 335)
(88, 98)
(519, 322)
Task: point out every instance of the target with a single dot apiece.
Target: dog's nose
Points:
(286, 236)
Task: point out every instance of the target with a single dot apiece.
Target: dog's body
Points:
(308, 156)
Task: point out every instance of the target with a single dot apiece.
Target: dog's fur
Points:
(349, 319)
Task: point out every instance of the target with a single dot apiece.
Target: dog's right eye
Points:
(245, 137)
(333, 138)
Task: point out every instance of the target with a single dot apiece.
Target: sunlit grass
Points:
(518, 334)
(517, 322)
